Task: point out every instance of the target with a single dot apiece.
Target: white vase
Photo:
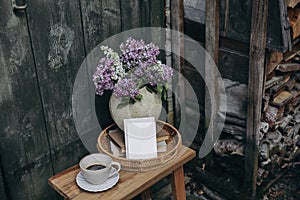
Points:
(149, 106)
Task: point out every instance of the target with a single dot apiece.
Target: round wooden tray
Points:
(142, 165)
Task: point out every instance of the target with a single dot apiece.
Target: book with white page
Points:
(140, 138)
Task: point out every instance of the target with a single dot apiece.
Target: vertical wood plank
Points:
(92, 17)
(101, 19)
(255, 89)
(104, 19)
(24, 147)
(131, 14)
(157, 18)
(178, 186)
(58, 48)
(168, 57)
(157, 13)
(2, 188)
(145, 13)
(177, 42)
(211, 78)
(212, 29)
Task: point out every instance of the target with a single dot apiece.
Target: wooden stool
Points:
(130, 183)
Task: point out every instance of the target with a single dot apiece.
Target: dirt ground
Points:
(287, 187)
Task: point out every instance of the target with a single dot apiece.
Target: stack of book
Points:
(117, 143)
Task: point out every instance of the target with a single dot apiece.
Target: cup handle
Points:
(118, 168)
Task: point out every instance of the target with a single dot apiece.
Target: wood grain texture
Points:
(104, 19)
(40, 52)
(273, 58)
(178, 186)
(131, 14)
(168, 58)
(56, 34)
(23, 141)
(157, 13)
(176, 23)
(292, 3)
(195, 10)
(145, 10)
(129, 185)
(211, 74)
(236, 99)
(294, 16)
(2, 188)
(237, 25)
(291, 54)
(212, 38)
(212, 29)
(255, 90)
(277, 23)
(157, 19)
(101, 19)
(233, 65)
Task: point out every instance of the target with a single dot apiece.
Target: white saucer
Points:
(85, 185)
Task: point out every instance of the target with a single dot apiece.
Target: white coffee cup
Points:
(97, 176)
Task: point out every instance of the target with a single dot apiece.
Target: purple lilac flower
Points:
(138, 60)
(154, 74)
(140, 70)
(135, 52)
(126, 87)
(167, 72)
(102, 78)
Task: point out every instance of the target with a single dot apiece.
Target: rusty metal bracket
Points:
(19, 4)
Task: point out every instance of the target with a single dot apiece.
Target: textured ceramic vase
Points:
(149, 106)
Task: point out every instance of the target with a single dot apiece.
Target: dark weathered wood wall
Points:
(41, 50)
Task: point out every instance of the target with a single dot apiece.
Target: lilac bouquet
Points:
(137, 66)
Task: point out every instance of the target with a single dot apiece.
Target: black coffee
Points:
(96, 167)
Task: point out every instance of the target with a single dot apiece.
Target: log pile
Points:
(292, 3)
(232, 139)
(279, 138)
(294, 18)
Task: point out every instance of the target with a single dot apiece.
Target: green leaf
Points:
(132, 101)
(139, 97)
(159, 88)
(125, 99)
(165, 92)
(166, 87)
(122, 105)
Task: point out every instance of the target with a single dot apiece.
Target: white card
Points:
(140, 138)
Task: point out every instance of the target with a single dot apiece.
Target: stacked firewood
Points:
(232, 140)
(279, 138)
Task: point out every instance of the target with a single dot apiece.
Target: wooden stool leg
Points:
(178, 186)
(146, 195)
